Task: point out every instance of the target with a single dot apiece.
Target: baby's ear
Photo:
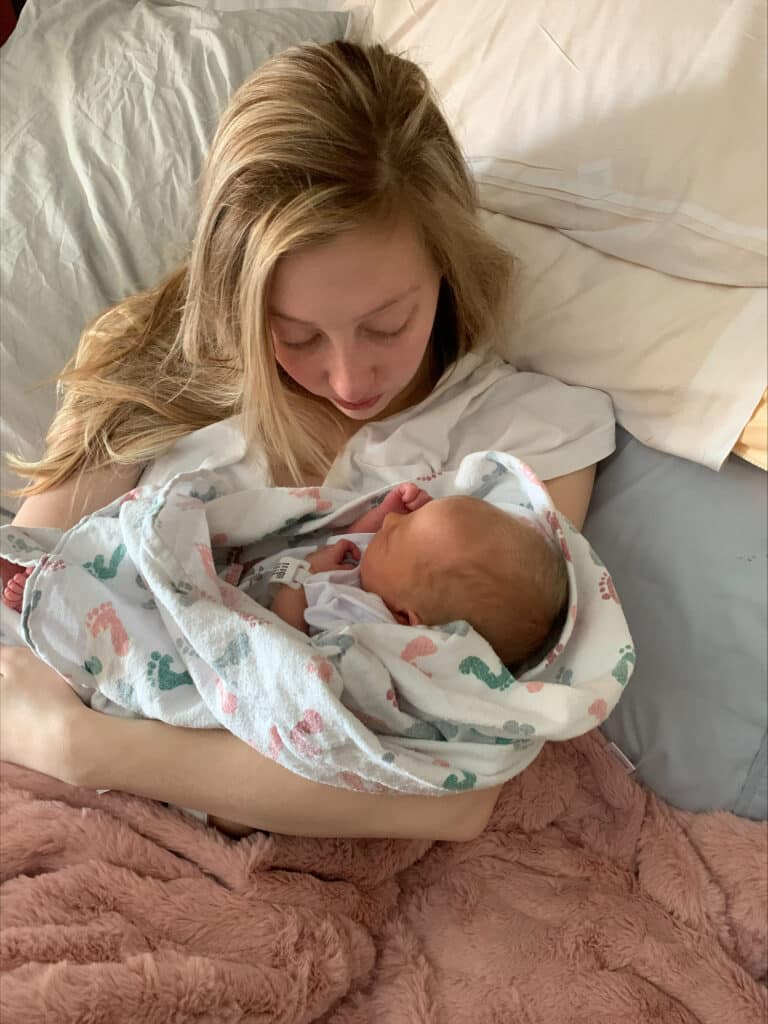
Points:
(406, 617)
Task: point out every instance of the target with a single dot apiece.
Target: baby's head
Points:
(463, 558)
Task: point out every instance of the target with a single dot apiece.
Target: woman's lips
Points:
(366, 404)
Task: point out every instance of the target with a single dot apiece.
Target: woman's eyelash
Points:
(301, 344)
(383, 335)
(386, 334)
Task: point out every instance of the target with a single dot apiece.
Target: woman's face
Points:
(351, 319)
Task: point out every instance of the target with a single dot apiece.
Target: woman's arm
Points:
(44, 726)
(65, 505)
(212, 770)
(570, 494)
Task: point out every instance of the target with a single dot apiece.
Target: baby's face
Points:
(390, 565)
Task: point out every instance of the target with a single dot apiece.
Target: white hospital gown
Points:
(481, 403)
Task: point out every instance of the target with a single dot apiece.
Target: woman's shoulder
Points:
(218, 446)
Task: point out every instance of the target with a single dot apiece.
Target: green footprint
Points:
(159, 670)
(236, 650)
(93, 666)
(623, 667)
(101, 570)
(209, 495)
(478, 668)
(19, 544)
(468, 782)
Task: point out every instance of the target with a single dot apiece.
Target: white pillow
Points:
(683, 361)
(636, 128)
(108, 107)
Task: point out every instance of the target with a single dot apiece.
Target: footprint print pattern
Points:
(480, 670)
(236, 650)
(454, 783)
(19, 545)
(521, 733)
(148, 605)
(228, 699)
(321, 505)
(598, 709)
(104, 618)
(343, 642)
(622, 670)
(607, 589)
(419, 647)
(488, 481)
(161, 675)
(102, 570)
(311, 724)
(320, 667)
(209, 495)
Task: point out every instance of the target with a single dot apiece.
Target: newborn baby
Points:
(433, 561)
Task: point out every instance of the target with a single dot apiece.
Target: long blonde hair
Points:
(320, 140)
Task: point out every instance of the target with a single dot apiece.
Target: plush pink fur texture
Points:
(587, 901)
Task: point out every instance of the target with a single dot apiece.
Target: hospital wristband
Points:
(291, 572)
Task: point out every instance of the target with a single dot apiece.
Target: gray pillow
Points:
(108, 107)
(687, 549)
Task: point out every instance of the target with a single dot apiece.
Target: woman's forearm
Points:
(211, 770)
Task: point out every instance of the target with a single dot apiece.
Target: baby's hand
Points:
(405, 498)
(333, 557)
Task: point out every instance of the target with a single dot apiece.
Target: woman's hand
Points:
(40, 716)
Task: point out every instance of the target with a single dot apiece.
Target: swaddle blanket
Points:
(156, 606)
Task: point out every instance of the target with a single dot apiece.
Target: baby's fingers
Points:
(417, 498)
(346, 549)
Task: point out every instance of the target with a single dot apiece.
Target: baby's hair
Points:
(320, 140)
(511, 584)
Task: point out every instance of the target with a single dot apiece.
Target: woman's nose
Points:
(349, 378)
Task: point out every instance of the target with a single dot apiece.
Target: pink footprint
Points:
(206, 557)
(352, 781)
(228, 700)
(104, 617)
(391, 696)
(599, 709)
(607, 589)
(534, 687)
(275, 743)
(419, 647)
(529, 474)
(554, 654)
(321, 505)
(312, 722)
(322, 667)
(252, 620)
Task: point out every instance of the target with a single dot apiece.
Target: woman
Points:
(335, 301)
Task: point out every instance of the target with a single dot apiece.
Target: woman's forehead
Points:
(351, 276)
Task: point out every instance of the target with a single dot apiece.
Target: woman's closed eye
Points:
(376, 332)
(299, 343)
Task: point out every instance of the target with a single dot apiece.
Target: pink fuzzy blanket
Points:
(586, 900)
